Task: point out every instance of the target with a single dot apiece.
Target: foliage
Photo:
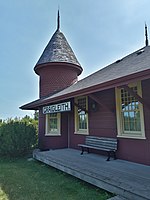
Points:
(36, 115)
(18, 136)
(31, 180)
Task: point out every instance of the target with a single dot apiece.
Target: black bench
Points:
(100, 143)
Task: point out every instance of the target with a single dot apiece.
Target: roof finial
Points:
(58, 20)
(146, 35)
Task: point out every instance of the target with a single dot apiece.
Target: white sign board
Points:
(61, 107)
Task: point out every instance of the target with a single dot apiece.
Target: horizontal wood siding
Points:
(102, 123)
(146, 96)
(134, 150)
(53, 142)
(138, 150)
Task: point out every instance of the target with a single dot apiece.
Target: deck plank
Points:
(127, 179)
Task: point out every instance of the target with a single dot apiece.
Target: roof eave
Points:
(104, 86)
(76, 67)
(100, 87)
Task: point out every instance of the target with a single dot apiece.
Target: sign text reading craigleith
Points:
(61, 107)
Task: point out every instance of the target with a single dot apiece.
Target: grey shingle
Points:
(58, 50)
(132, 64)
(136, 62)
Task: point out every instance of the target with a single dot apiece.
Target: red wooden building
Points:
(112, 102)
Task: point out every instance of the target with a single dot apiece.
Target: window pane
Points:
(137, 121)
(82, 115)
(130, 111)
(53, 122)
(82, 120)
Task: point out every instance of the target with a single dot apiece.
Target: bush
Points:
(17, 138)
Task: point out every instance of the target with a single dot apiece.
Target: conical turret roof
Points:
(58, 50)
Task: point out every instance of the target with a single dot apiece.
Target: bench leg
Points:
(108, 156)
(82, 150)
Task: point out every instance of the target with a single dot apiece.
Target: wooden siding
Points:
(53, 142)
(138, 150)
(103, 123)
(146, 96)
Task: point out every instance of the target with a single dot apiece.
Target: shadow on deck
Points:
(129, 180)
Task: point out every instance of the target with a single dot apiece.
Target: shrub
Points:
(17, 137)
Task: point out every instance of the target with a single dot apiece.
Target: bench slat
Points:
(100, 143)
(110, 143)
(94, 147)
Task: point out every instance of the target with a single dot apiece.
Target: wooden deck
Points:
(129, 180)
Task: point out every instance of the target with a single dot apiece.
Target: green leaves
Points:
(17, 137)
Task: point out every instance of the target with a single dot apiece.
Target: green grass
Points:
(21, 179)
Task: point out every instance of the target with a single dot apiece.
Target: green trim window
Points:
(53, 124)
(130, 120)
(81, 115)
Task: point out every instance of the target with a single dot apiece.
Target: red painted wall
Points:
(138, 150)
(103, 122)
(54, 78)
(53, 142)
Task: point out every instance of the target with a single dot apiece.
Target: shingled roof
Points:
(58, 50)
(135, 66)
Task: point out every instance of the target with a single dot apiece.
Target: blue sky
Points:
(99, 32)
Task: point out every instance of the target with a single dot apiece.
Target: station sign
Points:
(55, 108)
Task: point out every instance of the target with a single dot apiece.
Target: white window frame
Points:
(120, 129)
(47, 129)
(77, 130)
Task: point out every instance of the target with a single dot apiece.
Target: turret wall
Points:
(55, 78)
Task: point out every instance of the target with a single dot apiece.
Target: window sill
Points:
(132, 137)
(81, 133)
(52, 134)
